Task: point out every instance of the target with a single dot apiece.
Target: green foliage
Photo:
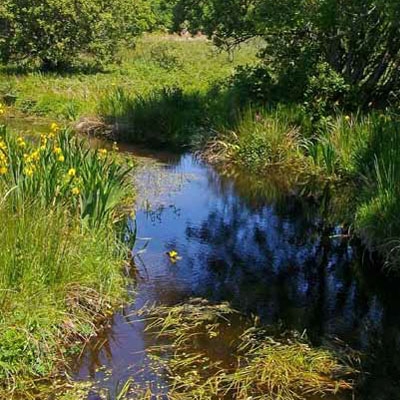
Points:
(61, 251)
(260, 139)
(163, 11)
(355, 42)
(55, 34)
(165, 117)
(340, 145)
(325, 92)
(63, 170)
(155, 62)
(378, 216)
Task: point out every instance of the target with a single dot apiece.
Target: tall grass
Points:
(62, 169)
(378, 218)
(260, 139)
(55, 282)
(162, 117)
(339, 143)
(61, 255)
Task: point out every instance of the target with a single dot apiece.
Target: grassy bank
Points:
(61, 252)
(356, 150)
(157, 61)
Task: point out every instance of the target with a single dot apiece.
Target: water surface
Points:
(271, 254)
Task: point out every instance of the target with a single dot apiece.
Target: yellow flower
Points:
(21, 142)
(3, 170)
(72, 172)
(173, 253)
(42, 147)
(35, 156)
(57, 150)
(173, 256)
(75, 191)
(43, 138)
(61, 158)
(29, 171)
(347, 118)
(54, 127)
(102, 154)
(3, 146)
(2, 109)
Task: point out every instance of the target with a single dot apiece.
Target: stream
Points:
(269, 254)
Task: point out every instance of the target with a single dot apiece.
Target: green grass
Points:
(156, 62)
(260, 139)
(61, 252)
(165, 117)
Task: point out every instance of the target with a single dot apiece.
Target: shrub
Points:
(55, 33)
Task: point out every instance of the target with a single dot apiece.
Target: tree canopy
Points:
(54, 33)
(356, 42)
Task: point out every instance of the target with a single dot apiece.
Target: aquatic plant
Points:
(62, 169)
(259, 366)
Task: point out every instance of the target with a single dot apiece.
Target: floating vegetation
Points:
(191, 338)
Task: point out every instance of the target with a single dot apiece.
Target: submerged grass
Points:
(191, 340)
(61, 253)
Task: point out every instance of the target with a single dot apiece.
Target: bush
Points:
(55, 33)
(325, 91)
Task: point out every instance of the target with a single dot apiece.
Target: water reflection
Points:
(270, 253)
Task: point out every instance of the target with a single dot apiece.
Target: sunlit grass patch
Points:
(260, 139)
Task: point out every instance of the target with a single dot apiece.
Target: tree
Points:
(358, 40)
(54, 33)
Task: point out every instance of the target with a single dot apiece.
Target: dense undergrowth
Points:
(61, 252)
